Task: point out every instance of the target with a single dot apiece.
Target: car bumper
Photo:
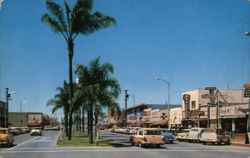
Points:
(209, 140)
(153, 143)
(5, 141)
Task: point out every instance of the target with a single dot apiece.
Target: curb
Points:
(241, 145)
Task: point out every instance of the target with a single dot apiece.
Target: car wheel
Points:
(228, 142)
(140, 145)
(204, 143)
(11, 143)
(219, 143)
(132, 143)
(171, 142)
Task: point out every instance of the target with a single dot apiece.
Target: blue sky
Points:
(192, 43)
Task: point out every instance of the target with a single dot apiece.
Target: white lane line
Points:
(77, 150)
(23, 143)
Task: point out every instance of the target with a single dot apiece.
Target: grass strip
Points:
(80, 139)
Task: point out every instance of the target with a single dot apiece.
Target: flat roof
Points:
(153, 106)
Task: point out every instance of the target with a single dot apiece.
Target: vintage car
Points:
(146, 137)
(15, 131)
(36, 131)
(195, 134)
(182, 135)
(213, 136)
(5, 137)
(168, 136)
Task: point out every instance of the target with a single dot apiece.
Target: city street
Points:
(44, 146)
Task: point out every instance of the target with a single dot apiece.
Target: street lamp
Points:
(247, 33)
(8, 97)
(168, 101)
(21, 105)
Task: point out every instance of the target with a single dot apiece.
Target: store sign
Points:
(247, 93)
(147, 112)
(232, 110)
(131, 118)
(194, 114)
(34, 120)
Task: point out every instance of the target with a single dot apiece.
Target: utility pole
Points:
(7, 107)
(126, 104)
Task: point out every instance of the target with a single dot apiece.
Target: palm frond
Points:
(57, 12)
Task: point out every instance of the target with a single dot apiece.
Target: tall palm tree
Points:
(72, 22)
(61, 100)
(100, 88)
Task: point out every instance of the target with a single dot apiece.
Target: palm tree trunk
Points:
(91, 140)
(77, 120)
(70, 125)
(83, 130)
(66, 123)
(88, 120)
(70, 49)
(96, 122)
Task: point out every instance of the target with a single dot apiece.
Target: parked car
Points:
(168, 136)
(5, 137)
(183, 135)
(213, 136)
(195, 134)
(36, 131)
(147, 136)
(24, 130)
(132, 130)
(15, 131)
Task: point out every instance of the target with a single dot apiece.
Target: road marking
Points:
(23, 143)
(119, 150)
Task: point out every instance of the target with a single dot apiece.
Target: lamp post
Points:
(21, 105)
(168, 101)
(8, 95)
(126, 101)
(247, 33)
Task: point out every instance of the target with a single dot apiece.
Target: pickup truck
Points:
(5, 137)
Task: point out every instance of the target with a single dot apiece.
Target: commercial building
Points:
(215, 108)
(26, 119)
(149, 115)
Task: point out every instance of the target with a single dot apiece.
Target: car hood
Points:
(169, 135)
(4, 136)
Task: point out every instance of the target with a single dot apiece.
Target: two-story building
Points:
(215, 108)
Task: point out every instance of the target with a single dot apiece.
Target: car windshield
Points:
(3, 132)
(152, 132)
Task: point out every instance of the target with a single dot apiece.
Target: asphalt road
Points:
(44, 147)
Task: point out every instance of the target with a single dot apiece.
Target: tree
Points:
(72, 22)
(61, 100)
(100, 89)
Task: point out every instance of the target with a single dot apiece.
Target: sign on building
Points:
(247, 90)
(34, 120)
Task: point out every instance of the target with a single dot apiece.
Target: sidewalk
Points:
(240, 143)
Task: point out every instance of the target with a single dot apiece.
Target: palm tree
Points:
(99, 87)
(61, 100)
(72, 22)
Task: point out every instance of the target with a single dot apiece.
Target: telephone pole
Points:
(7, 107)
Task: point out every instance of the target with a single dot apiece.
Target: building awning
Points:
(233, 116)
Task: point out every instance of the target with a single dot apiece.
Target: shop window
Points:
(193, 103)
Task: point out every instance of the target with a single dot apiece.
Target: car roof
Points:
(3, 129)
(148, 129)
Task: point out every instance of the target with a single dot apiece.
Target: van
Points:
(195, 134)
